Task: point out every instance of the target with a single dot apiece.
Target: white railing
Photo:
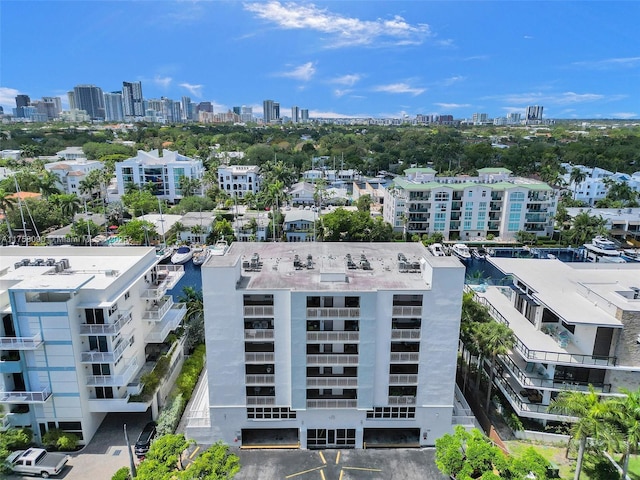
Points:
(170, 323)
(21, 343)
(259, 357)
(332, 382)
(261, 400)
(406, 379)
(39, 396)
(200, 418)
(115, 380)
(332, 359)
(405, 334)
(264, 379)
(259, 311)
(255, 334)
(105, 357)
(157, 309)
(346, 312)
(106, 328)
(332, 403)
(167, 278)
(407, 311)
(405, 356)
(333, 336)
(402, 400)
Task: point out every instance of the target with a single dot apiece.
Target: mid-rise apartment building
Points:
(469, 208)
(576, 324)
(80, 327)
(70, 173)
(164, 172)
(238, 180)
(331, 344)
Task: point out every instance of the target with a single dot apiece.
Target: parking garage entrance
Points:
(331, 438)
(270, 438)
(391, 438)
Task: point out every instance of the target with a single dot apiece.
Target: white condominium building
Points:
(238, 180)
(575, 325)
(71, 172)
(469, 208)
(80, 326)
(331, 344)
(164, 172)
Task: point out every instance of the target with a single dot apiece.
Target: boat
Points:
(631, 255)
(461, 251)
(201, 255)
(602, 250)
(220, 248)
(437, 250)
(164, 253)
(182, 255)
(479, 253)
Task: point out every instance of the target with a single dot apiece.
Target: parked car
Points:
(144, 439)
(37, 461)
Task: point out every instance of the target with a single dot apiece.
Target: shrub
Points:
(515, 423)
(122, 474)
(491, 236)
(190, 373)
(57, 439)
(17, 438)
(170, 416)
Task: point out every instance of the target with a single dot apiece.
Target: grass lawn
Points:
(555, 454)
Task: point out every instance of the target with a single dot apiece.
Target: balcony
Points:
(261, 400)
(405, 357)
(35, 396)
(21, 343)
(332, 359)
(334, 313)
(398, 311)
(171, 321)
(402, 400)
(156, 309)
(112, 328)
(405, 379)
(105, 357)
(332, 337)
(10, 366)
(118, 380)
(332, 382)
(405, 334)
(166, 277)
(264, 379)
(332, 403)
(258, 334)
(259, 311)
(106, 405)
(259, 357)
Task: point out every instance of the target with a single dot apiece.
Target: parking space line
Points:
(194, 452)
(322, 475)
(361, 468)
(338, 457)
(341, 474)
(303, 472)
(322, 458)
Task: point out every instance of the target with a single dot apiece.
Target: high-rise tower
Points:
(90, 99)
(132, 100)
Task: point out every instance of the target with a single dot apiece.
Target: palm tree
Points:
(69, 203)
(493, 339)
(47, 184)
(626, 415)
(6, 203)
(576, 177)
(178, 228)
(195, 316)
(590, 413)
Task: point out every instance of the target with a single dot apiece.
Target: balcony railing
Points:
(402, 357)
(113, 328)
(407, 311)
(261, 400)
(403, 379)
(171, 321)
(332, 359)
(264, 379)
(156, 309)
(115, 380)
(105, 357)
(333, 336)
(332, 382)
(346, 312)
(402, 400)
(258, 334)
(167, 278)
(405, 334)
(36, 396)
(21, 343)
(259, 357)
(332, 403)
(259, 311)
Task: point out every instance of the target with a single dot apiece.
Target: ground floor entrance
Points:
(270, 438)
(391, 437)
(331, 438)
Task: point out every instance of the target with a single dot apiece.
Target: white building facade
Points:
(331, 345)
(78, 333)
(469, 208)
(164, 172)
(238, 180)
(70, 173)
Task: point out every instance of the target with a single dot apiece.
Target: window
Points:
(268, 413)
(483, 206)
(101, 369)
(126, 296)
(484, 193)
(392, 412)
(468, 205)
(104, 392)
(441, 197)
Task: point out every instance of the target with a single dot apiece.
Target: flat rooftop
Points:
(578, 292)
(328, 269)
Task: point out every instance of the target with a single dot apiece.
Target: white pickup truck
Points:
(37, 461)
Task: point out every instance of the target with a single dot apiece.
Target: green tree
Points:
(69, 204)
(215, 463)
(625, 412)
(162, 459)
(7, 203)
(140, 202)
(493, 339)
(195, 317)
(364, 203)
(576, 177)
(81, 228)
(584, 227)
(138, 231)
(189, 186)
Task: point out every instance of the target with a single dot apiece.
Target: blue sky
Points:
(578, 59)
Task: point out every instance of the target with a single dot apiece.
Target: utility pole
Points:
(132, 463)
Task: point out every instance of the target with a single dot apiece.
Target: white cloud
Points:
(340, 93)
(564, 98)
(8, 97)
(399, 88)
(625, 62)
(528, 37)
(304, 72)
(350, 80)
(451, 80)
(195, 90)
(321, 114)
(625, 115)
(163, 82)
(453, 105)
(344, 31)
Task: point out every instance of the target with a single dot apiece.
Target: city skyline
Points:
(336, 59)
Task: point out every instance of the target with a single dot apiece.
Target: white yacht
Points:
(220, 248)
(182, 255)
(201, 255)
(603, 250)
(461, 251)
(437, 250)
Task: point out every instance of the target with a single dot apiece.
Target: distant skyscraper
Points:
(187, 109)
(205, 107)
(57, 105)
(72, 100)
(267, 111)
(23, 101)
(237, 110)
(276, 111)
(514, 118)
(479, 118)
(90, 99)
(132, 99)
(295, 114)
(534, 113)
(246, 114)
(113, 107)
(304, 115)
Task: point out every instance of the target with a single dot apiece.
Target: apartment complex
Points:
(469, 208)
(70, 173)
(575, 325)
(80, 326)
(238, 180)
(164, 171)
(331, 344)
